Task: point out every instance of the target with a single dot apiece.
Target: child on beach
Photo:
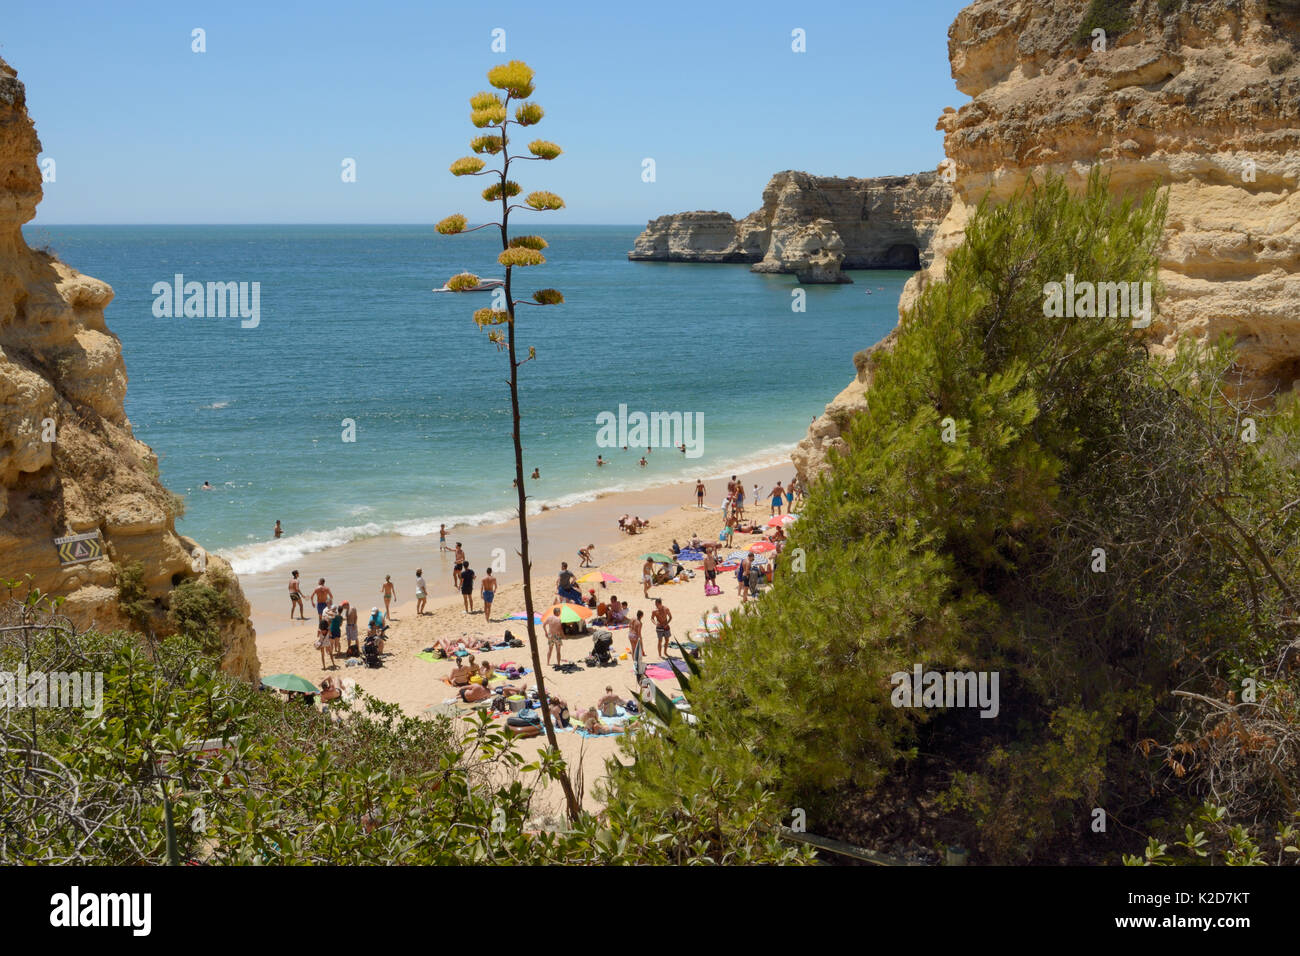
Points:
(442, 538)
(585, 554)
(323, 643)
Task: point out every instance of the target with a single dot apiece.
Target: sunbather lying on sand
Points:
(591, 723)
(474, 692)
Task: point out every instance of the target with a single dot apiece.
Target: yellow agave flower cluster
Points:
(489, 111)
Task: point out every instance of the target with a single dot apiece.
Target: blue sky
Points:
(255, 130)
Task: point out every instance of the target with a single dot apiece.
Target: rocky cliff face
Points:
(1199, 96)
(68, 460)
(884, 223)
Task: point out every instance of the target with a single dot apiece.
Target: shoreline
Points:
(391, 552)
(274, 555)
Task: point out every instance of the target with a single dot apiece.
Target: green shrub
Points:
(132, 596)
(197, 610)
(1113, 16)
(979, 555)
(294, 786)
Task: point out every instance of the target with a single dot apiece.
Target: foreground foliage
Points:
(294, 786)
(1112, 536)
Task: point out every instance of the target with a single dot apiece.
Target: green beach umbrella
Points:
(291, 682)
(662, 558)
(570, 613)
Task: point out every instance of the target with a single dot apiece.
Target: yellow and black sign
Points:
(76, 548)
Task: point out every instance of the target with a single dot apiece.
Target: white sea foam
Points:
(267, 556)
(215, 405)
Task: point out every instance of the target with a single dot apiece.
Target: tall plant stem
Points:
(570, 798)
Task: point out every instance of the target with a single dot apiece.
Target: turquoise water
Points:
(349, 329)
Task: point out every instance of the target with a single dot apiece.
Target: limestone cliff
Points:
(884, 223)
(68, 460)
(1199, 96)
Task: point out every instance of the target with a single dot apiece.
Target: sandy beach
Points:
(356, 571)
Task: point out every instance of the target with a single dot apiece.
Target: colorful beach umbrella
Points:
(776, 521)
(735, 556)
(600, 576)
(789, 519)
(759, 547)
(571, 613)
(291, 682)
(656, 556)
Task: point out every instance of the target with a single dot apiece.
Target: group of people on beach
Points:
(333, 621)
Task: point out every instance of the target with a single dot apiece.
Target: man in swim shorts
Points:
(489, 585)
(322, 597)
(295, 597)
(662, 618)
(554, 636)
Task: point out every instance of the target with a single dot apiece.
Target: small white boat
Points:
(484, 285)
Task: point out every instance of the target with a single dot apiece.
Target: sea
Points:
(357, 402)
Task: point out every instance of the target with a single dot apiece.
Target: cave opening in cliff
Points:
(902, 255)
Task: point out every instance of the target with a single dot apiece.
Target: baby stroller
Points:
(600, 655)
(370, 651)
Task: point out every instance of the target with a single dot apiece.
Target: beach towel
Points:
(665, 670)
(690, 554)
(431, 657)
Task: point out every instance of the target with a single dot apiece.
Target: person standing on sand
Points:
(778, 499)
(467, 587)
(699, 493)
(421, 592)
(739, 499)
(295, 597)
(710, 569)
(638, 649)
(321, 597)
(460, 563)
(389, 594)
(585, 554)
(351, 625)
(335, 617)
(742, 576)
(278, 530)
(554, 635)
(489, 585)
(663, 633)
(323, 643)
(442, 538)
(789, 494)
(647, 575)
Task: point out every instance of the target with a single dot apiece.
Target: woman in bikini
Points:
(389, 593)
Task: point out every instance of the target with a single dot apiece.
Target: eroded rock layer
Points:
(1199, 96)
